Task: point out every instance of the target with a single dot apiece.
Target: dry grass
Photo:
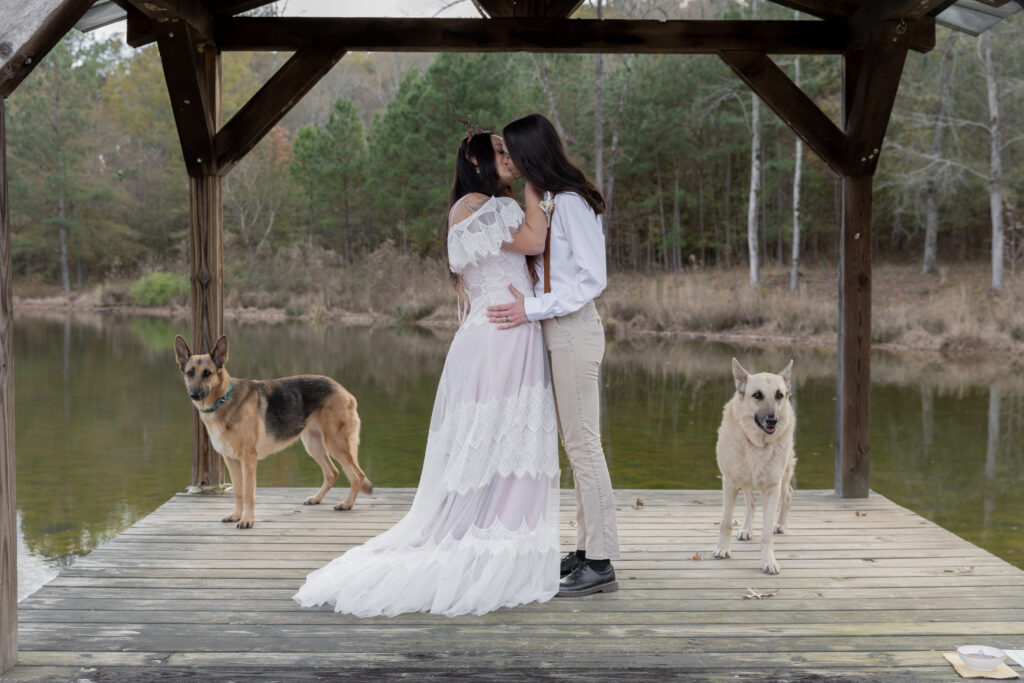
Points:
(955, 311)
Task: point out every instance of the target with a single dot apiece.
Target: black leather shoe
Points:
(585, 580)
(570, 562)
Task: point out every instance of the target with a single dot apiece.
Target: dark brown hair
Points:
(539, 155)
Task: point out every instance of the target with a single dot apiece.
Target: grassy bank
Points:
(954, 312)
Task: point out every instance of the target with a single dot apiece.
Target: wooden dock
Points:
(868, 589)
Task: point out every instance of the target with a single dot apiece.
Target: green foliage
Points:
(367, 158)
(160, 289)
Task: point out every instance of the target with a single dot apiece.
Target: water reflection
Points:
(103, 422)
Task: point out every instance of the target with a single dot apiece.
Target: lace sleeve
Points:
(482, 233)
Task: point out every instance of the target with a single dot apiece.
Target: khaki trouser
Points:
(576, 346)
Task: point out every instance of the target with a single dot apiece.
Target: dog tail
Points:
(367, 485)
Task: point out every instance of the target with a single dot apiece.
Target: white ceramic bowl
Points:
(981, 657)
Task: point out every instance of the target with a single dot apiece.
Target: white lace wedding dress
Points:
(482, 532)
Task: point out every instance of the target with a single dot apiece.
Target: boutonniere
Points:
(547, 205)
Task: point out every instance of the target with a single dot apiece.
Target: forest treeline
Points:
(99, 192)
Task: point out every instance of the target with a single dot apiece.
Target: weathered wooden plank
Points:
(607, 36)
(206, 260)
(192, 12)
(853, 442)
(867, 594)
(874, 94)
(30, 30)
(652, 612)
(8, 510)
(192, 73)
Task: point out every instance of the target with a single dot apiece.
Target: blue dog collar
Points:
(219, 402)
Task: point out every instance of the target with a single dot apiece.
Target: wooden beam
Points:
(853, 387)
(530, 35)
(206, 260)
(873, 97)
(187, 70)
(530, 8)
(874, 13)
(30, 30)
(192, 12)
(275, 99)
(823, 9)
(141, 29)
(792, 105)
(8, 510)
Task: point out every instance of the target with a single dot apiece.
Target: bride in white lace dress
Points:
(482, 532)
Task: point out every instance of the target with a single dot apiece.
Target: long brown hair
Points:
(539, 155)
(481, 178)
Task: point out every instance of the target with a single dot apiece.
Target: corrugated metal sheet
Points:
(973, 17)
(102, 13)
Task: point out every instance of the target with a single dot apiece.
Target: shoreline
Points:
(616, 330)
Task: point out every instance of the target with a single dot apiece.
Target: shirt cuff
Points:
(532, 307)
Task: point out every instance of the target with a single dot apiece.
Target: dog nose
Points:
(771, 420)
(194, 395)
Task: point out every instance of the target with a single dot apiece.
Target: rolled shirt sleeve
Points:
(578, 267)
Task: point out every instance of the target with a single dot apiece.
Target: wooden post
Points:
(853, 386)
(853, 381)
(8, 511)
(207, 265)
(207, 276)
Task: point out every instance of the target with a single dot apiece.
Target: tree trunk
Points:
(609, 195)
(755, 174)
(995, 182)
(677, 227)
(661, 216)
(798, 166)
(931, 234)
(931, 228)
(599, 124)
(65, 275)
(545, 82)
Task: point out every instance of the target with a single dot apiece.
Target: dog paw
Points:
(312, 500)
(231, 518)
(743, 535)
(770, 567)
(342, 507)
(244, 524)
(721, 553)
(779, 529)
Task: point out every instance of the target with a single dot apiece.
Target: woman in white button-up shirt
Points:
(574, 273)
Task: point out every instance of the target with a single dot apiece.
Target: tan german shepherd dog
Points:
(755, 452)
(247, 420)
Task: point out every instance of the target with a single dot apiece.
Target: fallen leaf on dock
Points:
(860, 514)
(961, 570)
(754, 594)
(696, 556)
(639, 504)
(572, 522)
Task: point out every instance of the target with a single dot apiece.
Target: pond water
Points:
(103, 423)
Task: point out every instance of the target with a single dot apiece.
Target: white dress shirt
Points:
(578, 269)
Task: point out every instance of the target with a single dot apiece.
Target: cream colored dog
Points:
(755, 452)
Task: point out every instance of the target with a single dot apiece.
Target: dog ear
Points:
(219, 352)
(181, 351)
(740, 375)
(787, 374)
